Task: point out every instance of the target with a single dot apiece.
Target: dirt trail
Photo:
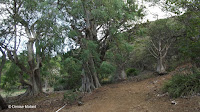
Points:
(127, 96)
(143, 96)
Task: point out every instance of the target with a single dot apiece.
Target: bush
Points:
(70, 96)
(58, 87)
(71, 73)
(182, 85)
(60, 84)
(132, 72)
(106, 71)
(10, 79)
(67, 82)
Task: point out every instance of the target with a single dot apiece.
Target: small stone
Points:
(80, 103)
(173, 102)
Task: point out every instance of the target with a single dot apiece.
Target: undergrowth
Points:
(70, 96)
(183, 85)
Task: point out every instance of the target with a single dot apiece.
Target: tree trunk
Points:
(161, 56)
(94, 73)
(120, 74)
(87, 82)
(2, 62)
(35, 84)
(46, 85)
(90, 80)
(3, 104)
(160, 66)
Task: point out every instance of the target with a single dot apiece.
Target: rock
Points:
(80, 103)
(173, 102)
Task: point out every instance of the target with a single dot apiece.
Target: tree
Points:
(35, 21)
(189, 43)
(3, 61)
(120, 54)
(94, 22)
(163, 33)
(3, 104)
(178, 6)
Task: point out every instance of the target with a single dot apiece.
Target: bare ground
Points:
(127, 96)
(144, 96)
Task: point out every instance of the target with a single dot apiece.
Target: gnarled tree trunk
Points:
(90, 80)
(35, 86)
(33, 70)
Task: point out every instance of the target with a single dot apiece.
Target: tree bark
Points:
(120, 74)
(33, 70)
(160, 52)
(161, 56)
(90, 80)
(35, 79)
(2, 62)
(46, 85)
(160, 67)
(3, 104)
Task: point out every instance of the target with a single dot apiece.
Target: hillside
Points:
(144, 96)
(126, 96)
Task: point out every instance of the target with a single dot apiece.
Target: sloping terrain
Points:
(143, 96)
(127, 96)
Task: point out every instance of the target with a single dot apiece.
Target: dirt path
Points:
(144, 96)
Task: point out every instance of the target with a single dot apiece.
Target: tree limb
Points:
(22, 81)
(20, 65)
(153, 54)
(154, 45)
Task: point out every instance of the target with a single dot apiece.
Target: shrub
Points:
(72, 67)
(60, 84)
(132, 72)
(58, 88)
(67, 82)
(107, 71)
(70, 96)
(182, 85)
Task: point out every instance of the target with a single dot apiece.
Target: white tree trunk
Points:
(120, 74)
(160, 67)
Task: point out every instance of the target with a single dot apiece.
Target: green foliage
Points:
(189, 45)
(106, 70)
(70, 96)
(190, 49)
(90, 51)
(10, 80)
(132, 72)
(60, 84)
(177, 6)
(165, 29)
(119, 49)
(70, 74)
(181, 85)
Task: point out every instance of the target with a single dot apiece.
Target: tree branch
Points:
(22, 81)
(154, 45)
(154, 55)
(20, 65)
